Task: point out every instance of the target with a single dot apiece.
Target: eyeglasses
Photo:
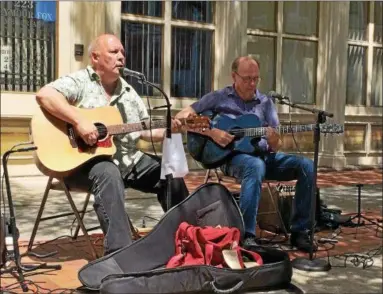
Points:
(248, 79)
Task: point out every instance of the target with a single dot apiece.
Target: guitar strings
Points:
(102, 131)
(286, 129)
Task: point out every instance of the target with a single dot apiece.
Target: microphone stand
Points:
(16, 256)
(303, 263)
(168, 177)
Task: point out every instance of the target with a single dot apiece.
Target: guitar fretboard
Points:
(261, 131)
(136, 127)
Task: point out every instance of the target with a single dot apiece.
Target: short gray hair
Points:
(235, 64)
(93, 46)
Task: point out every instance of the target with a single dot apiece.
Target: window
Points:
(300, 18)
(191, 62)
(143, 53)
(262, 15)
(365, 49)
(200, 11)
(263, 48)
(149, 8)
(376, 138)
(356, 75)
(28, 34)
(377, 77)
(299, 70)
(301, 142)
(287, 50)
(354, 137)
(182, 68)
(358, 20)
(378, 23)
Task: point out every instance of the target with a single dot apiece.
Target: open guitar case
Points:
(140, 266)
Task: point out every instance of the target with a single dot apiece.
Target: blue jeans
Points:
(252, 170)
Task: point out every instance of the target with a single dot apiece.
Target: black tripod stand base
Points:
(361, 221)
(30, 267)
(311, 265)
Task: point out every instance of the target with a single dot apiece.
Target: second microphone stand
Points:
(311, 264)
(19, 268)
(169, 177)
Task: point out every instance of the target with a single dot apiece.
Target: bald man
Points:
(243, 97)
(100, 85)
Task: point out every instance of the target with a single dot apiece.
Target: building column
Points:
(230, 38)
(332, 73)
(113, 18)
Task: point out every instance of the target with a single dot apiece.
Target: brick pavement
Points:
(72, 255)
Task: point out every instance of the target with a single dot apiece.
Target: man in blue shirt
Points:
(241, 98)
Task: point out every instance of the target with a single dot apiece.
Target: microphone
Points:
(128, 72)
(275, 95)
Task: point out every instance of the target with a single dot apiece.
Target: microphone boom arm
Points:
(169, 177)
(312, 110)
(141, 77)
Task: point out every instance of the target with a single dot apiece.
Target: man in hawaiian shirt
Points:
(101, 85)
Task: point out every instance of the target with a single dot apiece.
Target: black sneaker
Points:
(249, 240)
(301, 240)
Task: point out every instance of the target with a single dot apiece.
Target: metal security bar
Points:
(27, 41)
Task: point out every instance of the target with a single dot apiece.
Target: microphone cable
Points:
(150, 124)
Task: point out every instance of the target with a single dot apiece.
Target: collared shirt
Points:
(227, 101)
(83, 89)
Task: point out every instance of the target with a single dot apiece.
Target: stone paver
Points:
(27, 193)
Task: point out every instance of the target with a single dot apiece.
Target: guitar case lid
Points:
(210, 205)
(140, 266)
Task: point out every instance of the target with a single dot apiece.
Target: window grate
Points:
(27, 41)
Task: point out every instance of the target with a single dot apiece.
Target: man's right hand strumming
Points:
(221, 137)
(87, 131)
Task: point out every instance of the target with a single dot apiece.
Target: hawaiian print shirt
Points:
(83, 89)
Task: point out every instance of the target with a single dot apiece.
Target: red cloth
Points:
(204, 245)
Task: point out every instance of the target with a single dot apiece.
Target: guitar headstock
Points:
(197, 122)
(331, 128)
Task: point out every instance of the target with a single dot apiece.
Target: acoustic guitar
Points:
(60, 150)
(247, 129)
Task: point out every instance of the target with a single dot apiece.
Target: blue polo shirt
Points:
(227, 101)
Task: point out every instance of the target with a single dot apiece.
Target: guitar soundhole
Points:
(104, 141)
(102, 131)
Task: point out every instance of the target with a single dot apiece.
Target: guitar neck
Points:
(140, 126)
(261, 131)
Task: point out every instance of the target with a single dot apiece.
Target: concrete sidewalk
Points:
(27, 193)
(142, 208)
